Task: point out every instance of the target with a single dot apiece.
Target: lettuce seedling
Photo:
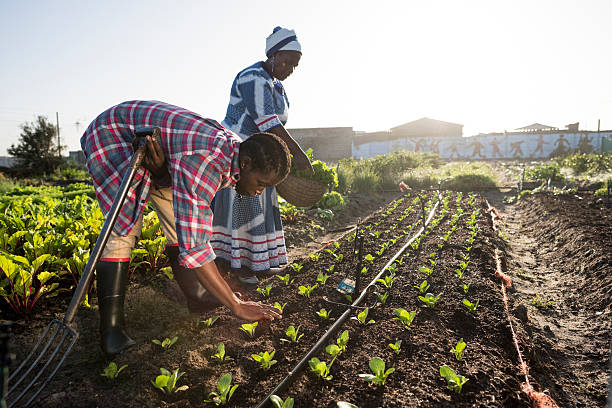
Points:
(323, 314)
(279, 403)
(166, 382)
(377, 365)
(166, 343)
(423, 287)
(286, 279)
(459, 348)
(425, 270)
(429, 299)
(206, 323)
(292, 334)
(265, 359)
(383, 298)
(330, 269)
(220, 354)
(362, 317)
(111, 371)
(404, 316)
(392, 269)
(333, 350)
(249, 328)
(364, 270)
(296, 266)
(320, 368)
(322, 278)
(466, 287)
(369, 258)
(471, 306)
(225, 391)
(453, 381)
(265, 292)
(387, 281)
(396, 346)
(342, 340)
(339, 258)
(306, 290)
(315, 257)
(279, 306)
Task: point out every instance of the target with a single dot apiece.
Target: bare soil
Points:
(556, 247)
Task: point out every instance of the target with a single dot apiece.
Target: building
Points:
(327, 144)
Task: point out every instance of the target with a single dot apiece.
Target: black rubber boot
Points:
(198, 298)
(112, 280)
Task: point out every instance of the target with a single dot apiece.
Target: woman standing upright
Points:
(247, 231)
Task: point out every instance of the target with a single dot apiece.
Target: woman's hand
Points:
(252, 311)
(155, 162)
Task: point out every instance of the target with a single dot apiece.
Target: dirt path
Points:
(564, 338)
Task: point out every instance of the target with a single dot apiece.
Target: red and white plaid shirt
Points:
(202, 158)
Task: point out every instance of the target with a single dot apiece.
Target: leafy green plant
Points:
(453, 381)
(296, 266)
(387, 281)
(206, 323)
(315, 257)
(429, 299)
(362, 317)
(320, 368)
(249, 328)
(383, 298)
(364, 270)
(377, 365)
(265, 292)
(459, 348)
(405, 317)
(220, 354)
(306, 291)
(226, 390)
(166, 381)
(166, 343)
(396, 346)
(265, 359)
(425, 270)
(323, 314)
(466, 287)
(471, 306)
(369, 258)
(342, 340)
(286, 279)
(322, 278)
(292, 334)
(111, 371)
(279, 403)
(422, 287)
(279, 306)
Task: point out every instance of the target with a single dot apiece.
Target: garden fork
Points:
(49, 353)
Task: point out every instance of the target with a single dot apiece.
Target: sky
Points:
(372, 65)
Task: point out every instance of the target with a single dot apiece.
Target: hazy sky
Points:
(489, 65)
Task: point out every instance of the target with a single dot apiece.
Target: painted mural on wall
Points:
(494, 146)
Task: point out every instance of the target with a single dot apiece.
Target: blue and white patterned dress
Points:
(247, 231)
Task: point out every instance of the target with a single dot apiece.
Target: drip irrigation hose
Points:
(331, 331)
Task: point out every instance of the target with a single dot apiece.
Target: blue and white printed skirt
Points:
(248, 231)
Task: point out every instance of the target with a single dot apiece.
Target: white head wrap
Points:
(282, 39)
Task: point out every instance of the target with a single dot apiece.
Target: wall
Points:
(326, 143)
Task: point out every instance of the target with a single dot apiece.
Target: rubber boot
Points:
(112, 280)
(198, 298)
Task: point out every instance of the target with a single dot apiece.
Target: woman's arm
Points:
(299, 157)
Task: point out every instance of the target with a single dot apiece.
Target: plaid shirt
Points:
(202, 158)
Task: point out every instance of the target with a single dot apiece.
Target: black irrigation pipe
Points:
(331, 331)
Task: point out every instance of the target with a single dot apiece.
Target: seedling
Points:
(286, 279)
(377, 365)
(306, 290)
(466, 287)
(387, 281)
(296, 266)
(333, 350)
(315, 257)
(362, 317)
(226, 390)
(322, 278)
(323, 314)
(279, 403)
(404, 316)
(392, 269)
(459, 273)
(453, 381)
(383, 298)
(166, 343)
(265, 292)
(429, 299)
(471, 306)
(459, 348)
(166, 381)
(423, 287)
(249, 328)
(206, 323)
(220, 354)
(336, 244)
(396, 346)
(292, 334)
(339, 258)
(369, 258)
(425, 270)
(320, 368)
(330, 269)
(364, 270)
(111, 371)
(279, 306)
(342, 340)
(265, 359)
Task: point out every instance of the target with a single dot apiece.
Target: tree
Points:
(37, 152)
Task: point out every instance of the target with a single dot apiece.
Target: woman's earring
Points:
(272, 65)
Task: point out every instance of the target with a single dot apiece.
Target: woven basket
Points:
(301, 192)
